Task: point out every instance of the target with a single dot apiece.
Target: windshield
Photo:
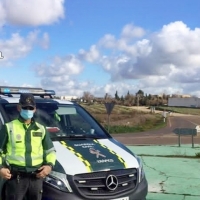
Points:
(62, 120)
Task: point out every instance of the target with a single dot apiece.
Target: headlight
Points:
(58, 181)
(141, 169)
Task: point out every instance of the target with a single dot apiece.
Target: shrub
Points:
(198, 155)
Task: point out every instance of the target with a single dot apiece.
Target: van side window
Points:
(11, 111)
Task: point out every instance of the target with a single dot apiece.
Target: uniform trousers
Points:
(24, 186)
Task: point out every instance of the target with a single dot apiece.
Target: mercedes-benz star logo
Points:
(112, 182)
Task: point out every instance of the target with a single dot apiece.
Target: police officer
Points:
(27, 154)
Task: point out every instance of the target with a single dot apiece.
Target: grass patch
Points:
(125, 119)
(149, 124)
(182, 110)
(123, 129)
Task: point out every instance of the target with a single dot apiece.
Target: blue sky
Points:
(100, 46)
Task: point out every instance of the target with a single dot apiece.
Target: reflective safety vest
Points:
(28, 146)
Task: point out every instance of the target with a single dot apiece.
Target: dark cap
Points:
(27, 99)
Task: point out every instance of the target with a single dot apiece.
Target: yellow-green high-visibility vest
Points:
(24, 147)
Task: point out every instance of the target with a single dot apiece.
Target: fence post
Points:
(179, 139)
(192, 141)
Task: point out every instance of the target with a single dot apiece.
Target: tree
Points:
(129, 100)
(127, 96)
(88, 97)
(116, 96)
(149, 96)
(108, 97)
(140, 93)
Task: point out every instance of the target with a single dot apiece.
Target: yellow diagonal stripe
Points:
(79, 156)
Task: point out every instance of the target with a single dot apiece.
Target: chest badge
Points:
(18, 137)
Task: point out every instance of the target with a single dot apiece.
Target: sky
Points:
(101, 46)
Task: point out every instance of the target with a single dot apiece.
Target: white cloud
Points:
(60, 74)
(2, 15)
(65, 85)
(44, 41)
(91, 56)
(31, 12)
(175, 45)
(165, 62)
(130, 31)
(126, 41)
(122, 89)
(108, 41)
(60, 66)
(17, 46)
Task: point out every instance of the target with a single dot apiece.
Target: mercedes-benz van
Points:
(91, 165)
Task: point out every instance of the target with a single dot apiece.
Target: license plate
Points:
(123, 198)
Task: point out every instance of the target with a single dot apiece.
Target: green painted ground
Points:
(171, 178)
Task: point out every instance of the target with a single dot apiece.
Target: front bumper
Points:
(138, 193)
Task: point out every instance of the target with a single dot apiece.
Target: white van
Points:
(90, 165)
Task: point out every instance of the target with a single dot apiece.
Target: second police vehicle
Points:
(91, 165)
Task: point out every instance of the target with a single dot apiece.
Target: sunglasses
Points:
(28, 108)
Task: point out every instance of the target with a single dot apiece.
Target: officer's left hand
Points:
(44, 171)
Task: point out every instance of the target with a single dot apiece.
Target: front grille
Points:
(93, 185)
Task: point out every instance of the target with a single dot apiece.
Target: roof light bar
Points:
(6, 90)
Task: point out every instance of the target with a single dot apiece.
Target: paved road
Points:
(164, 135)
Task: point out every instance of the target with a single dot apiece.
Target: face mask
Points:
(26, 114)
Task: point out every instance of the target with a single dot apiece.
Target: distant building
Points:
(184, 102)
(185, 95)
(180, 95)
(69, 98)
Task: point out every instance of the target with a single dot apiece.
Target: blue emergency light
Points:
(7, 90)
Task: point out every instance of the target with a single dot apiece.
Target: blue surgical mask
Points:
(26, 114)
